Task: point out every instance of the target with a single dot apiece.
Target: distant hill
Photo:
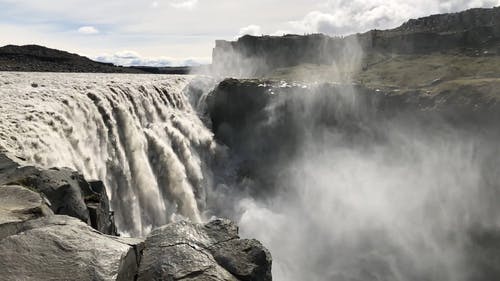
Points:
(35, 58)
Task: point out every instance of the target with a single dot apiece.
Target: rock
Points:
(246, 259)
(35, 244)
(68, 192)
(17, 205)
(64, 248)
(62, 187)
(101, 218)
(185, 251)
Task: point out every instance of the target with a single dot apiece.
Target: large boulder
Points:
(212, 251)
(17, 205)
(67, 190)
(65, 248)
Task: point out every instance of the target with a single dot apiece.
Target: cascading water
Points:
(137, 133)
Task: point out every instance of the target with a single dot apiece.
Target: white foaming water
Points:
(137, 133)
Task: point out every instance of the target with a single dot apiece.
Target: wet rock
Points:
(101, 218)
(64, 248)
(185, 251)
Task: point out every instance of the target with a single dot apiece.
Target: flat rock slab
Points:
(65, 248)
(17, 205)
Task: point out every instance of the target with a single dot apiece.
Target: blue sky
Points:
(173, 32)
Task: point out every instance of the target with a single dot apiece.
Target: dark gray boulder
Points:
(67, 190)
(65, 248)
(212, 251)
(246, 259)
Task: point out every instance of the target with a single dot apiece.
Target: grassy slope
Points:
(430, 74)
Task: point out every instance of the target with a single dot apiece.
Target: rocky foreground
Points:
(55, 225)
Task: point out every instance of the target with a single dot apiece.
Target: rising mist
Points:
(341, 186)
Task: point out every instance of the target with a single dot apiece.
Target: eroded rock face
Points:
(212, 251)
(65, 248)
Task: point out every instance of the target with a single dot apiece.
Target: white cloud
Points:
(253, 29)
(184, 4)
(166, 29)
(132, 58)
(321, 22)
(88, 30)
(340, 17)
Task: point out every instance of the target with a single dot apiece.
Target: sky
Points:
(183, 32)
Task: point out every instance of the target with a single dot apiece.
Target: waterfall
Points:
(137, 133)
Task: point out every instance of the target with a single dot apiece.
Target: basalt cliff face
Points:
(472, 32)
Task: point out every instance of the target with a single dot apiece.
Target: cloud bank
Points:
(342, 17)
(189, 28)
(132, 58)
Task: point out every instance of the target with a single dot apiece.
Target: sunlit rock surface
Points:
(64, 248)
(17, 205)
(213, 251)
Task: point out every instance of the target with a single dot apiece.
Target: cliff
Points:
(472, 32)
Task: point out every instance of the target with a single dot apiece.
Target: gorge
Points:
(348, 158)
